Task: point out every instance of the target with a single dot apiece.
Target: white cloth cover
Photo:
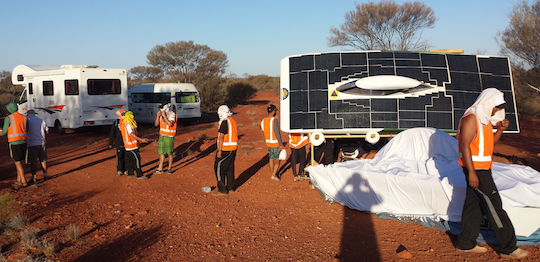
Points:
(417, 174)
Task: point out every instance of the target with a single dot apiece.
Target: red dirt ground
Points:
(169, 218)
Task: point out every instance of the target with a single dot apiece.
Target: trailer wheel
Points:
(58, 127)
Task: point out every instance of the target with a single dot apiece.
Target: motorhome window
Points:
(71, 87)
(48, 89)
(23, 98)
(150, 97)
(187, 97)
(30, 89)
(104, 86)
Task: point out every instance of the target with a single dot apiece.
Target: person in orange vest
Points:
(272, 136)
(227, 143)
(15, 128)
(475, 144)
(131, 144)
(166, 120)
(115, 138)
(297, 143)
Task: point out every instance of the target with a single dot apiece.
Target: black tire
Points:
(58, 127)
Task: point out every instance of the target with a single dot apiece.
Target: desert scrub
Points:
(48, 248)
(17, 222)
(29, 238)
(202, 136)
(6, 207)
(72, 232)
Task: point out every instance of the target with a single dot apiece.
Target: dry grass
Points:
(73, 232)
(18, 222)
(29, 239)
(48, 248)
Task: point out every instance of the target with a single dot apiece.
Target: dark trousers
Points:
(224, 170)
(133, 162)
(298, 156)
(120, 156)
(485, 200)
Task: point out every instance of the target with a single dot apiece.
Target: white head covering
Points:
(484, 104)
(223, 112)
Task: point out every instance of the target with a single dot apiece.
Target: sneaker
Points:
(518, 253)
(169, 171)
(119, 173)
(275, 178)
(158, 171)
(476, 249)
(131, 176)
(298, 178)
(142, 177)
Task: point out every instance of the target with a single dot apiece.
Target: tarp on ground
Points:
(416, 177)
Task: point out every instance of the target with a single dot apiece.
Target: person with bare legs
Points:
(166, 120)
(272, 137)
(15, 128)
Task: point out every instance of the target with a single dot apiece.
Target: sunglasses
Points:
(501, 106)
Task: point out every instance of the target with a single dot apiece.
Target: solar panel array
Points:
(463, 77)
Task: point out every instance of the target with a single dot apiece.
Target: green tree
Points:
(145, 74)
(384, 26)
(186, 61)
(527, 99)
(7, 91)
(521, 39)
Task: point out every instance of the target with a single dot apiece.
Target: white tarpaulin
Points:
(417, 174)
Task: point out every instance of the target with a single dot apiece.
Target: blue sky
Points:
(255, 35)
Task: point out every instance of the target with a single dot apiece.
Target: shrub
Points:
(239, 92)
(72, 232)
(29, 238)
(48, 248)
(18, 222)
(527, 99)
(6, 207)
(202, 136)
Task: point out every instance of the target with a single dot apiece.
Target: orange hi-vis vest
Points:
(230, 140)
(267, 125)
(166, 130)
(481, 146)
(297, 140)
(17, 128)
(130, 143)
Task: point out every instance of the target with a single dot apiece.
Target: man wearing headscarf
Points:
(115, 138)
(131, 144)
(15, 128)
(475, 143)
(166, 121)
(37, 130)
(227, 143)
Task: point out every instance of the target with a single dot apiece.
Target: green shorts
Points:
(273, 153)
(166, 145)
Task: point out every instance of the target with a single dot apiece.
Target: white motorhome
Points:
(72, 96)
(145, 99)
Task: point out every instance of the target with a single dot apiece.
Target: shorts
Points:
(36, 152)
(166, 145)
(17, 152)
(273, 153)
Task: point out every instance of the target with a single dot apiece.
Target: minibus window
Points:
(186, 97)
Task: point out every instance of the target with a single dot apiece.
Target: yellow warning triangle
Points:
(334, 93)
